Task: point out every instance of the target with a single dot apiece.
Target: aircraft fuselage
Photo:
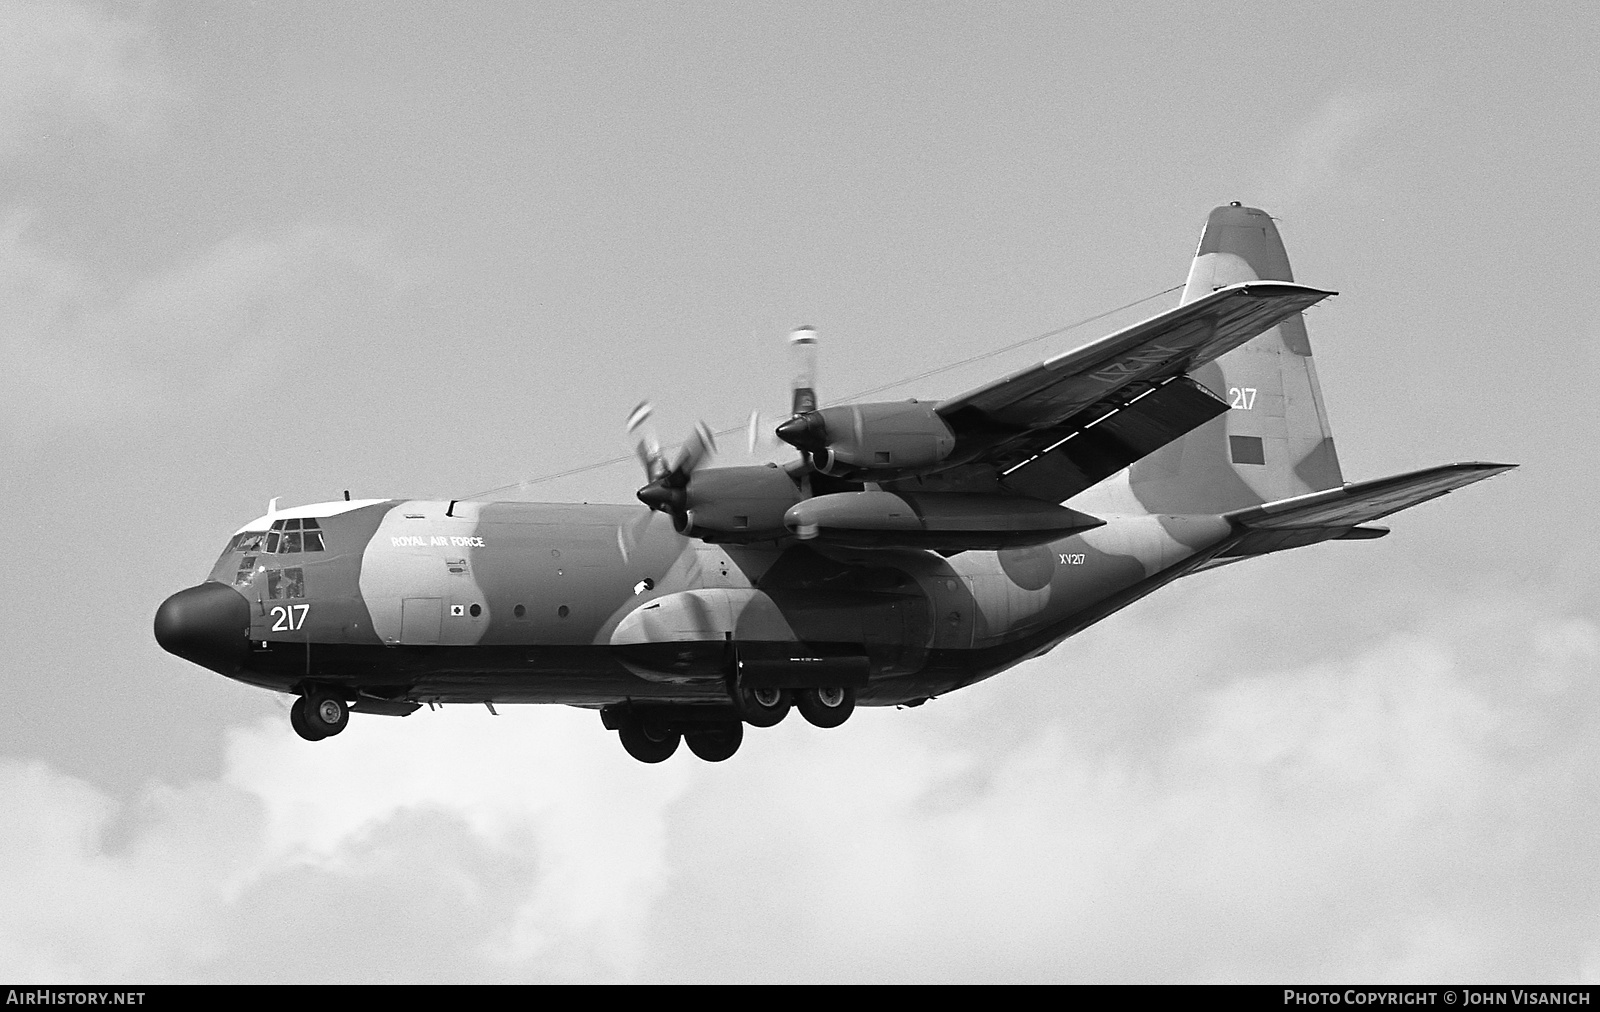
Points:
(433, 601)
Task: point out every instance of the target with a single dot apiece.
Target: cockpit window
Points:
(299, 534)
(288, 536)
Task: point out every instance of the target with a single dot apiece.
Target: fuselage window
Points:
(246, 567)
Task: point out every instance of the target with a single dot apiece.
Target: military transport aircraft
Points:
(915, 547)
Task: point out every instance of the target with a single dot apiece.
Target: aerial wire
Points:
(947, 367)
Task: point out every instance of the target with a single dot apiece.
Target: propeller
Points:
(666, 485)
(803, 429)
(666, 488)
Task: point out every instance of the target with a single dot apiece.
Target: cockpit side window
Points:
(286, 584)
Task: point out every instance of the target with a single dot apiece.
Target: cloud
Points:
(408, 853)
(1410, 811)
(75, 71)
(83, 349)
(1324, 153)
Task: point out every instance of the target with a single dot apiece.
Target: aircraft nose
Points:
(208, 625)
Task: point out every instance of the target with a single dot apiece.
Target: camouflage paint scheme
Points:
(415, 602)
(390, 604)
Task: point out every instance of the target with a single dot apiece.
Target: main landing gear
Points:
(652, 732)
(760, 707)
(652, 735)
(318, 715)
(826, 707)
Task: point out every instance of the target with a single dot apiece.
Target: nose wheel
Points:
(317, 715)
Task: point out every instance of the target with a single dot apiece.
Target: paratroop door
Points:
(419, 621)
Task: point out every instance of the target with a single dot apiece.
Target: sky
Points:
(285, 250)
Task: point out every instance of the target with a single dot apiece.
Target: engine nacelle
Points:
(736, 504)
(881, 440)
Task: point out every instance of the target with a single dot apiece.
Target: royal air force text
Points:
(435, 541)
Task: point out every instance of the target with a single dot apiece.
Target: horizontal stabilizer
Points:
(1365, 501)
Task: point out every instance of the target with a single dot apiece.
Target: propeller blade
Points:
(803, 370)
(752, 431)
(700, 445)
(629, 535)
(645, 443)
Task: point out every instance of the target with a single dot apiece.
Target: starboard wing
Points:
(1051, 430)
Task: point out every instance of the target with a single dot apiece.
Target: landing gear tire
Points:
(828, 707)
(714, 744)
(319, 716)
(760, 707)
(297, 720)
(648, 742)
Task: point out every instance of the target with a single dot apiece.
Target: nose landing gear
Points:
(318, 715)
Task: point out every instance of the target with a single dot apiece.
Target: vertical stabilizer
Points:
(1275, 442)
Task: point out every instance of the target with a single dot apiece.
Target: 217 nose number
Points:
(290, 618)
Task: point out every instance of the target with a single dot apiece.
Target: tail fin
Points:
(1275, 443)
